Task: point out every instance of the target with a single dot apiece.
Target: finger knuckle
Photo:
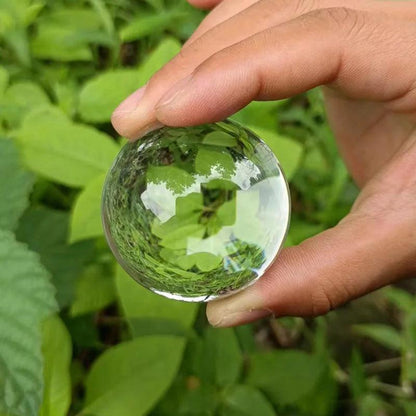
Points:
(344, 20)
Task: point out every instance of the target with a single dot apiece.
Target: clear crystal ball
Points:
(196, 213)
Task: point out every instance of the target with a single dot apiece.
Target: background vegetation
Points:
(79, 337)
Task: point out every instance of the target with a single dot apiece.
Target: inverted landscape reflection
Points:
(196, 213)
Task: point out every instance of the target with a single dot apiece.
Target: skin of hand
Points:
(364, 56)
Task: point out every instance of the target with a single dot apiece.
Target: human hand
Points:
(365, 57)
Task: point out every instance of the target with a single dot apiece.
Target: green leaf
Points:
(98, 98)
(145, 25)
(220, 138)
(186, 205)
(241, 400)
(165, 51)
(94, 291)
(4, 79)
(65, 152)
(209, 161)
(19, 99)
(178, 238)
(226, 213)
(357, 382)
(57, 354)
(287, 151)
(286, 376)
(402, 299)
(408, 374)
(162, 229)
(385, 335)
(27, 298)
(129, 379)
(46, 232)
(15, 186)
(262, 114)
(65, 35)
(176, 180)
(204, 261)
(224, 355)
(102, 94)
(86, 215)
(138, 302)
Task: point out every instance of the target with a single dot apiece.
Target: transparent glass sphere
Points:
(196, 213)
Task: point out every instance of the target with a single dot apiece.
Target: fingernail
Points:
(243, 307)
(174, 92)
(130, 103)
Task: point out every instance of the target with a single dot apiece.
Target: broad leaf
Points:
(27, 297)
(138, 302)
(86, 214)
(241, 400)
(57, 354)
(19, 99)
(95, 290)
(128, 379)
(165, 51)
(214, 162)
(15, 185)
(175, 179)
(286, 377)
(65, 152)
(65, 35)
(103, 93)
(46, 232)
(225, 355)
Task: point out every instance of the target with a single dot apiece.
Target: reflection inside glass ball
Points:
(196, 213)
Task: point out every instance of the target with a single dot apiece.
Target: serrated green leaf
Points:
(46, 232)
(15, 186)
(95, 290)
(287, 150)
(145, 25)
(204, 261)
(57, 354)
(138, 302)
(140, 371)
(209, 161)
(175, 179)
(86, 215)
(241, 400)
(65, 152)
(385, 335)
(102, 94)
(27, 297)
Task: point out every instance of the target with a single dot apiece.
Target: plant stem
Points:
(382, 365)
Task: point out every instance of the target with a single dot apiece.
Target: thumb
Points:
(360, 254)
(371, 247)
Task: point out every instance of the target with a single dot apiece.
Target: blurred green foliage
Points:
(110, 347)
